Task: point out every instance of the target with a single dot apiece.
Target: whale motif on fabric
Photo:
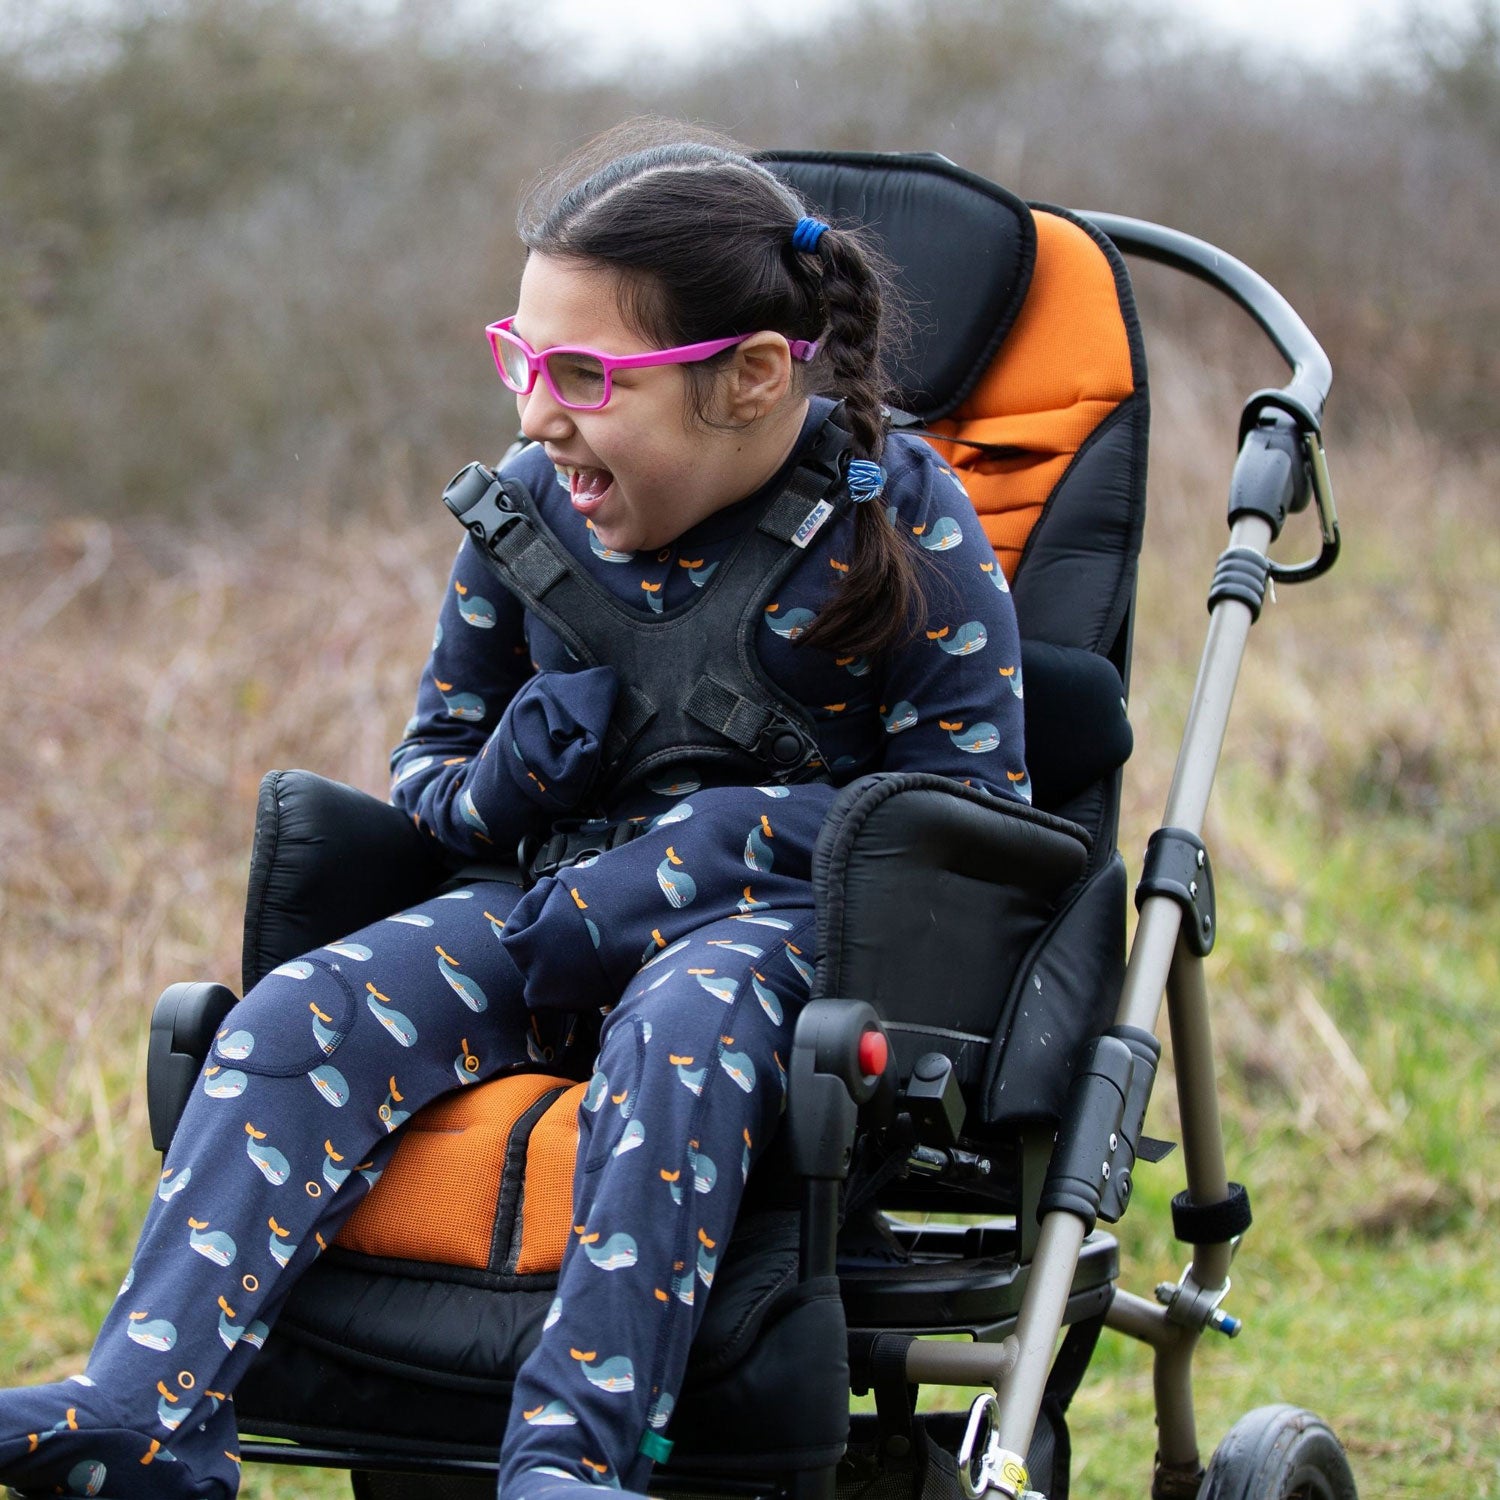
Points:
(460, 983)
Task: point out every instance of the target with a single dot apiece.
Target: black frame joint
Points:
(1176, 865)
(1241, 573)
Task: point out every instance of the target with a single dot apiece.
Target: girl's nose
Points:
(542, 417)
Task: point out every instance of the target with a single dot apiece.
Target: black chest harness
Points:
(692, 689)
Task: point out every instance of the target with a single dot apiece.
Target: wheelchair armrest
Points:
(327, 860)
(183, 1026)
(930, 895)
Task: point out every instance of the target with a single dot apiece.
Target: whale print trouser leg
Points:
(689, 1086)
(289, 1123)
(292, 1120)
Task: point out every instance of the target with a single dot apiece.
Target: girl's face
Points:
(644, 469)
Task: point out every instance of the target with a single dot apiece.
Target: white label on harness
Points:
(812, 524)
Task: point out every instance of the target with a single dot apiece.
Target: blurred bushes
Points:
(246, 246)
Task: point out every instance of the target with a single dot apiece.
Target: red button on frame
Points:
(874, 1054)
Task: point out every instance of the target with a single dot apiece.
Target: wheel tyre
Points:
(1279, 1453)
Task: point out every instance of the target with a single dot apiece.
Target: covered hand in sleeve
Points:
(578, 937)
(551, 737)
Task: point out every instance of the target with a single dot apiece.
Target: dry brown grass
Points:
(148, 679)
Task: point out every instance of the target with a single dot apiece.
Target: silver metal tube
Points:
(1150, 961)
(1171, 1373)
(945, 1362)
(1198, 1101)
(1152, 958)
(1187, 802)
(1040, 1321)
(1208, 714)
(1144, 1321)
(1161, 964)
(1172, 1382)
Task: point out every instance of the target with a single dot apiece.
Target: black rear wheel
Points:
(1279, 1453)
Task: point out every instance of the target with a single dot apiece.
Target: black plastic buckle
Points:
(477, 497)
(542, 857)
(1176, 865)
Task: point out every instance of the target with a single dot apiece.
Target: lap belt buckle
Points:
(541, 857)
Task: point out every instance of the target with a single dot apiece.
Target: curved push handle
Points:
(1303, 397)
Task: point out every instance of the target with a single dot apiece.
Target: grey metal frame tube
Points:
(1158, 965)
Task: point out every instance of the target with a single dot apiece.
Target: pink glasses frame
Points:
(536, 360)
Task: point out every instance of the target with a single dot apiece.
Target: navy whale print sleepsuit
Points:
(695, 942)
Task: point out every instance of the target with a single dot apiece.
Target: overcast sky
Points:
(612, 31)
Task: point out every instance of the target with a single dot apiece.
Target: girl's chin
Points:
(617, 538)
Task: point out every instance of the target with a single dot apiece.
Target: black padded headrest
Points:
(964, 249)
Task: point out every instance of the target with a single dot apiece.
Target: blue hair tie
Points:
(865, 480)
(806, 235)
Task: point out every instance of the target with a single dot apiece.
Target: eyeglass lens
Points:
(577, 379)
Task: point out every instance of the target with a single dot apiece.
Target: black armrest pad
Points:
(929, 894)
(1076, 729)
(327, 860)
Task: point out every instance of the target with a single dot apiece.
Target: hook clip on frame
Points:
(997, 1470)
(1310, 436)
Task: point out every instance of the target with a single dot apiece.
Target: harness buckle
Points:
(477, 497)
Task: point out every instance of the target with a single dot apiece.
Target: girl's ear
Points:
(758, 377)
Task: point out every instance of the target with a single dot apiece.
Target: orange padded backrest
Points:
(1064, 367)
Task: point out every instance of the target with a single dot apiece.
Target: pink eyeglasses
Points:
(582, 379)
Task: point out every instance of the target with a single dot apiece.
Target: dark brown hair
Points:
(701, 237)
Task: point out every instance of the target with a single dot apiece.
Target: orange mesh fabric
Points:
(436, 1199)
(1064, 367)
(547, 1205)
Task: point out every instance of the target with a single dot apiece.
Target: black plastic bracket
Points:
(828, 1084)
(1241, 574)
(1091, 1171)
(1128, 1142)
(1271, 475)
(934, 1100)
(1176, 865)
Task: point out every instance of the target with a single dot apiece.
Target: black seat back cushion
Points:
(327, 860)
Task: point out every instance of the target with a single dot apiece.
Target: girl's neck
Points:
(769, 443)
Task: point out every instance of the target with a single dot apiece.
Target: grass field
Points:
(147, 680)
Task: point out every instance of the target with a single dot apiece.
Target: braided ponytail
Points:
(880, 602)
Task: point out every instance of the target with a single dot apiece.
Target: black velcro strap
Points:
(536, 564)
(726, 712)
(1211, 1223)
(893, 1393)
(785, 515)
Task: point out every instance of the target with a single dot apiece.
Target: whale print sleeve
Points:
(952, 694)
(448, 773)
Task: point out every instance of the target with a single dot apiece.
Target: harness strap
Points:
(695, 668)
(755, 727)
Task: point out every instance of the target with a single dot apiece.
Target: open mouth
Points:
(587, 488)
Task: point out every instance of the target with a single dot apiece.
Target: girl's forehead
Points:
(564, 301)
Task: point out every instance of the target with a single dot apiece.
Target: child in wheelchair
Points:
(715, 590)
